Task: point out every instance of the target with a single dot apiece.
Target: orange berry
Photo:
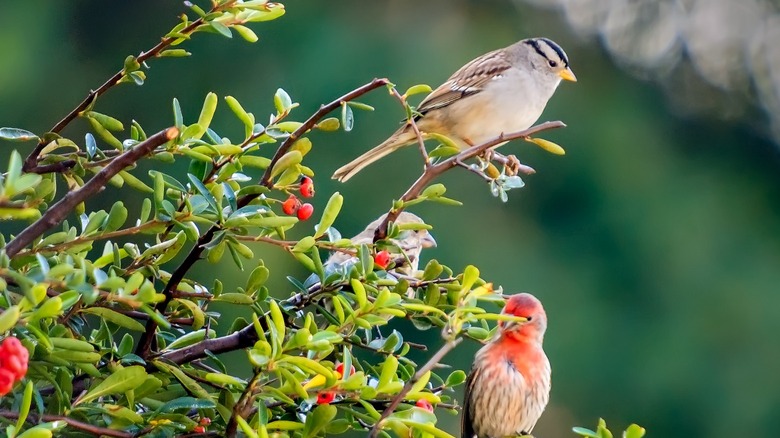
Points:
(205, 421)
(291, 205)
(305, 211)
(199, 429)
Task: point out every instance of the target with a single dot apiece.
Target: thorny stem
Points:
(59, 211)
(433, 172)
(31, 162)
(435, 359)
(145, 343)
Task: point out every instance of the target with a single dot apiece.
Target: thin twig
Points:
(316, 117)
(86, 427)
(435, 359)
(31, 162)
(147, 338)
(434, 171)
(59, 211)
(413, 123)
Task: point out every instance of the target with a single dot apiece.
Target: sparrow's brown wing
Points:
(469, 80)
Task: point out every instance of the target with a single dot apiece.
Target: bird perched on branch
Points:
(410, 242)
(509, 384)
(503, 91)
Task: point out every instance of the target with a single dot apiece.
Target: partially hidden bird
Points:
(509, 384)
(500, 92)
(410, 243)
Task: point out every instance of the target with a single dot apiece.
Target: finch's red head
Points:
(529, 307)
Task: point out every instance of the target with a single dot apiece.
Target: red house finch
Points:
(509, 384)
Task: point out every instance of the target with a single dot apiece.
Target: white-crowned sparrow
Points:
(503, 91)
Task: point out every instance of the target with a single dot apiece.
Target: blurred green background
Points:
(653, 242)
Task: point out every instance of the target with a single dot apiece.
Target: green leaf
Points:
(16, 134)
(634, 431)
(318, 419)
(117, 382)
(115, 317)
(329, 214)
(246, 33)
(187, 403)
(221, 29)
(347, 117)
(286, 161)
(455, 378)
(282, 101)
(36, 432)
(584, 432)
(417, 89)
(388, 373)
(24, 408)
(9, 318)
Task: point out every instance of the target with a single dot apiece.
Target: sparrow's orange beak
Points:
(567, 75)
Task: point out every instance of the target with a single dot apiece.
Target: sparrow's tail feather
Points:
(399, 139)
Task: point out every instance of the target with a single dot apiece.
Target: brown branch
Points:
(446, 348)
(433, 172)
(31, 162)
(308, 124)
(59, 211)
(244, 338)
(86, 427)
(147, 338)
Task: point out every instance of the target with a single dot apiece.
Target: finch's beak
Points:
(428, 241)
(567, 75)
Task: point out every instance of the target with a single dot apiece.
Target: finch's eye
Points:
(528, 318)
(553, 63)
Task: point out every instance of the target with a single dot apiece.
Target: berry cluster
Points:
(202, 425)
(13, 364)
(293, 205)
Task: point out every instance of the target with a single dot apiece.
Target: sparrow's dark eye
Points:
(553, 63)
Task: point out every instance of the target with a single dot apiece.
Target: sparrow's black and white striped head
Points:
(545, 55)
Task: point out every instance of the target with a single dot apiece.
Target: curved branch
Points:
(308, 124)
(434, 171)
(31, 162)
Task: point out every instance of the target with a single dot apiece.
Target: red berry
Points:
(199, 429)
(307, 187)
(205, 421)
(424, 404)
(340, 369)
(325, 397)
(14, 364)
(6, 381)
(382, 259)
(291, 205)
(305, 211)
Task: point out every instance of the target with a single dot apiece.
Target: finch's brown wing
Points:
(466, 426)
(470, 79)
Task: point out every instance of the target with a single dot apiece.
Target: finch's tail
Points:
(399, 139)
